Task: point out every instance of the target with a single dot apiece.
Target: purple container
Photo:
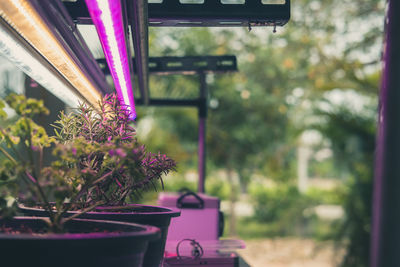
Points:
(200, 216)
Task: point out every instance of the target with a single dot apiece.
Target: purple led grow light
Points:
(107, 17)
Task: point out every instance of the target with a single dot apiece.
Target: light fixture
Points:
(22, 16)
(107, 17)
(16, 50)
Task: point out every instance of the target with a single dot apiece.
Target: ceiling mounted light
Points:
(25, 19)
(107, 17)
(16, 50)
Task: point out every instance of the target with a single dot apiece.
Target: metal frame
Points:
(200, 65)
(183, 65)
(201, 104)
(202, 109)
(140, 38)
(210, 13)
(385, 239)
(192, 64)
(213, 13)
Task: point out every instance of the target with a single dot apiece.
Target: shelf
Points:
(213, 13)
(184, 65)
(171, 102)
(210, 13)
(180, 65)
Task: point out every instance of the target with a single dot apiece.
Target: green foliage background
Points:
(257, 115)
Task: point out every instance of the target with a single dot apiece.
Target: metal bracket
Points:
(184, 65)
(140, 36)
(219, 13)
(206, 13)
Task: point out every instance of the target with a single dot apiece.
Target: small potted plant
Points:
(101, 142)
(56, 240)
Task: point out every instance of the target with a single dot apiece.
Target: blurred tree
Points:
(347, 56)
(353, 141)
(257, 114)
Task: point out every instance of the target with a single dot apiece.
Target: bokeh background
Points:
(290, 137)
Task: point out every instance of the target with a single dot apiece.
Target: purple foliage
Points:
(105, 150)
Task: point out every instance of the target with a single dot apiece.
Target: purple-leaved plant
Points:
(104, 161)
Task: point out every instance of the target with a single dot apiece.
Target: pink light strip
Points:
(107, 17)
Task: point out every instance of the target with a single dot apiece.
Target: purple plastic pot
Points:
(150, 215)
(112, 244)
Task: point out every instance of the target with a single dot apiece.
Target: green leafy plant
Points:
(23, 176)
(98, 160)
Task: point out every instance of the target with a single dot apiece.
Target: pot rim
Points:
(148, 232)
(166, 211)
(172, 212)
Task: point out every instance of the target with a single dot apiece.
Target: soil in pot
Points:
(24, 242)
(143, 214)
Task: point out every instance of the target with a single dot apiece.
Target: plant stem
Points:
(102, 177)
(40, 158)
(42, 195)
(87, 186)
(29, 149)
(8, 155)
(64, 220)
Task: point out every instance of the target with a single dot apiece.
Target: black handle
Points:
(190, 205)
(221, 223)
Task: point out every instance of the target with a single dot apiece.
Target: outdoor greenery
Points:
(352, 135)
(319, 73)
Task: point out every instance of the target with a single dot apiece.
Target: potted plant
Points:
(101, 143)
(56, 240)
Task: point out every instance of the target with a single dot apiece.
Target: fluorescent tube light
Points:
(25, 19)
(107, 17)
(35, 66)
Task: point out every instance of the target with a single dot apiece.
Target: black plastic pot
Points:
(142, 214)
(88, 243)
